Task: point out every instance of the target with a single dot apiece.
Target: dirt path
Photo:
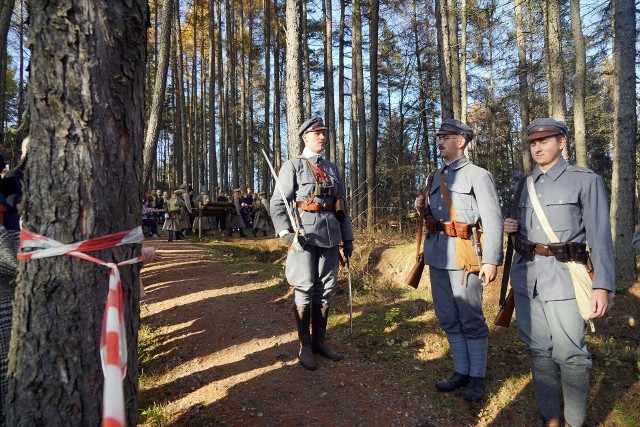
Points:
(225, 351)
(228, 355)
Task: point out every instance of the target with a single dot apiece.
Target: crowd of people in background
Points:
(176, 215)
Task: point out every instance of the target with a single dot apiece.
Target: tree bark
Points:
(277, 102)
(340, 141)
(556, 91)
(463, 60)
(213, 160)
(293, 79)
(267, 90)
(579, 126)
(523, 90)
(372, 149)
(181, 104)
(82, 180)
(360, 110)
(305, 57)
(329, 98)
(157, 104)
(624, 137)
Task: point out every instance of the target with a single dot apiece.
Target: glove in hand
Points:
(347, 248)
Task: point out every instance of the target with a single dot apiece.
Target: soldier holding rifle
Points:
(561, 208)
(463, 205)
(316, 187)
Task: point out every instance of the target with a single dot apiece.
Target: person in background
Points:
(261, 212)
(173, 208)
(220, 220)
(457, 292)
(148, 218)
(236, 214)
(573, 203)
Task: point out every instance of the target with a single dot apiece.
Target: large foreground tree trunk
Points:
(294, 76)
(624, 137)
(83, 180)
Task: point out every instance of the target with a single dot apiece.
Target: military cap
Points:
(544, 127)
(312, 124)
(455, 127)
(261, 193)
(237, 190)
(183, 186)
(178, 192)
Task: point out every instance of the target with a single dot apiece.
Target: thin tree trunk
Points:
(579, 85)
(360, 111)
(555, 82)
(454, 57)
(294, 94)
(222, 104)
(372, 149)
(340, 142)
(277, 102)
(91, 121)
(624, 137)
(6, 10)
(442, 30)
(213, 161)
(329, 97)
(157, 104)
(182, 106)
(267, 88)
(232, 99)
(463, 60)
(305, 58)
(523, 90)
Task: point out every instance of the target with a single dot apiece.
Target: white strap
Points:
(582, 283)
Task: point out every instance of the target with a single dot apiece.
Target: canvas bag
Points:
(466, 258)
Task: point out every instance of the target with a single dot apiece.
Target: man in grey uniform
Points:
(574, 203)
(316, 187)
(457, 294)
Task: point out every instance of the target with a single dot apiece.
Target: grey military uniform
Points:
(457, 295)
(474, 197)
(314, 271)
(574, 201)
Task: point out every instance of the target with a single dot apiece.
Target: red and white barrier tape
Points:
(113, 341)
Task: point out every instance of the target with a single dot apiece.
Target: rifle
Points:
(415, 274)
(507, 303)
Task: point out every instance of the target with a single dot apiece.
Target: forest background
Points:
(225, 79)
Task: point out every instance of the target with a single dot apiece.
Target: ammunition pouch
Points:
(446, 227)
(562, 251)
(462, 229)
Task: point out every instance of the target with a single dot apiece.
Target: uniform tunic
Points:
(261, 210)
(574, 201)
(236, 217)
(317, 266)
(458, 304)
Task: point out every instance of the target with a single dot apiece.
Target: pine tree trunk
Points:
(329, 98)
(579, 126)
(555, 83)
(294, 76)
(360, 111)
(340, 141)
(372, 149)
(523, 90)
(213, 160)
(83, 180)
(157, 104)
(624, 137)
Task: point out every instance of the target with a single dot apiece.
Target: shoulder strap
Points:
(447, 199)
(544, 222)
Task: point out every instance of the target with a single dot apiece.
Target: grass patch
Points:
(154, 416)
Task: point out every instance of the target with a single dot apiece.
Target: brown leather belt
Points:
(315, 207)
(562, 251)
(450, 228)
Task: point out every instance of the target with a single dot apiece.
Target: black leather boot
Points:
(255, 232)
(474, 390)
(170, 236)
(455, 381)
(320, 315)
(303, 319)
(242, 233)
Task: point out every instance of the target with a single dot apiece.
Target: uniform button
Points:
(447, 171)
(442, 232)
(539, 195)
(537, 228)
(439, 208)
(542, 180)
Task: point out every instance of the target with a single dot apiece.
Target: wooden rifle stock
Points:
(413, 279)
(505, 313)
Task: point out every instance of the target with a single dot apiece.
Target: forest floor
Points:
(218, 346)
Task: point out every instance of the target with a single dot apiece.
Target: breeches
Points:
(313, 273)
(458, 305)
(552, 329)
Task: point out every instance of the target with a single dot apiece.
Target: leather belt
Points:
(315, 207)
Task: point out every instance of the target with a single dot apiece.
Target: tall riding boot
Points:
(170, 236)
(303, 319)
(242, 233)
(265, 233)
(545, 383)
(575, 391)
(255, 232)
(320, 314)
(230, 232)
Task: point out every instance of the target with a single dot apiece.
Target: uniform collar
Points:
(555, 171)
(456, 164)
(309, 154)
